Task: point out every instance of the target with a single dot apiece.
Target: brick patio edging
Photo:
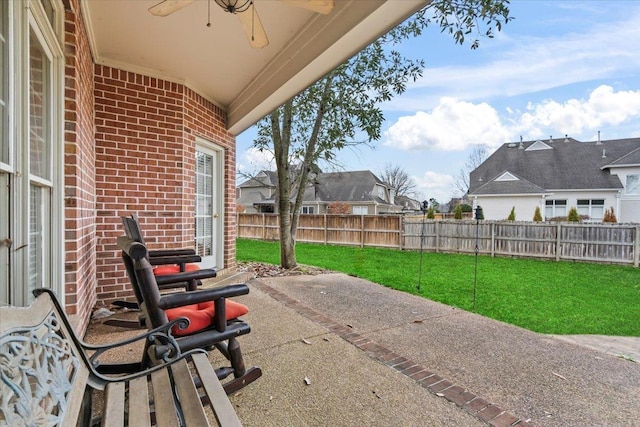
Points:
(475, 405)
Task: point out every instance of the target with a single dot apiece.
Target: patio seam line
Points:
(474, 405)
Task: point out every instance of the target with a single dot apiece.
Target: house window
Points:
(308, 210)
(593, 208)
(633, 185)
(360, 210)
(31, 149)
(555, 208)
(381, 192)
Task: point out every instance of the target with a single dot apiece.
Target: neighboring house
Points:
(408, 204)
(362, 191)
(108, 110)
(258, 194)
(558, 174)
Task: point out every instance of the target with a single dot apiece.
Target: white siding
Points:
(498, 208)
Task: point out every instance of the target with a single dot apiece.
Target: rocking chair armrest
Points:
(174, 259)
(185, 276)
(171, 252)
(204, 295)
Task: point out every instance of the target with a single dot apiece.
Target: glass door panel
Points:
(206, 209)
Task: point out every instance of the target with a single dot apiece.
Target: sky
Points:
(564, 67)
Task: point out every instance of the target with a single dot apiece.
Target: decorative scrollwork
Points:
(37, 369)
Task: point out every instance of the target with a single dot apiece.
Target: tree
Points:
(478, 154)
(457, 213)
(431, 213)
(344, 105)
(512, 214)
(573, 215)
(609, 216)
(398, 179)
(537, 216)
(434, 204)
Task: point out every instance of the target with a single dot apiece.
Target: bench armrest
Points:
(160, 334)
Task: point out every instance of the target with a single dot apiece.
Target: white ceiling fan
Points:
(246, 13)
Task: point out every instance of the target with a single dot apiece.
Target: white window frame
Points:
(553, 207)
(632, 185)
(360, 210)
(26, 17)
(592, 205)
(308, 210)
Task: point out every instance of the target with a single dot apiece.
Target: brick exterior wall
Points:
(146, 131)
(79, 129)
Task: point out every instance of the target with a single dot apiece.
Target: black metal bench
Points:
(48, 377)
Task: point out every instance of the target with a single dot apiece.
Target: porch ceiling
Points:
(218, 62)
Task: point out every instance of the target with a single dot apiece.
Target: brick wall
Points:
(80, 239)
(146, 130)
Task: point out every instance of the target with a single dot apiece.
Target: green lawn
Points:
(543, 296)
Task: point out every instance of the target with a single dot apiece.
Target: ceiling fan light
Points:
(235, 6)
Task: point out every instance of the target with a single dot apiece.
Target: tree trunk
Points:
(281, 143)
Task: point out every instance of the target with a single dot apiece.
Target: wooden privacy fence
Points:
(613, 243)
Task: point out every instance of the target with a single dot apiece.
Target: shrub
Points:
(457, 212)
(339, 208)
(537, 216)
(512, 214)
(466, 207)
(609, 216)
(431, 213)
(573, 215)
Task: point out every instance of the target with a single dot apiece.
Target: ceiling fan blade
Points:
(319, 6)
(253, 28)
(167, 7)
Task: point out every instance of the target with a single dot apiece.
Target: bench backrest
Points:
(43, 371)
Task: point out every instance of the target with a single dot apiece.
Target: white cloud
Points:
(452, 126)
(434, 185)
(455, 125)
(253, 160)
(578, 117)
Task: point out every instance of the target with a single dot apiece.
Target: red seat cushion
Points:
(201, 315)
(163, 270)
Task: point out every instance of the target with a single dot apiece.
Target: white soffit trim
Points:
(319, 48)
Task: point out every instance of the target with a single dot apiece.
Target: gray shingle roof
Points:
(570, 164)
(347, 186)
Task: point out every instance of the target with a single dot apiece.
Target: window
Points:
(360, 210)
(381, 192)
(555, 208)
(308, 210)
(31, 148)
(633, 185)
(593, 208)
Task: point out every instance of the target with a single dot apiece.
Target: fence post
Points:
(493, 240)
(437, 242)
(362, 231)
(558, 241)
(636, 254)
(326, 231)
(264, 226)
(400, 231)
